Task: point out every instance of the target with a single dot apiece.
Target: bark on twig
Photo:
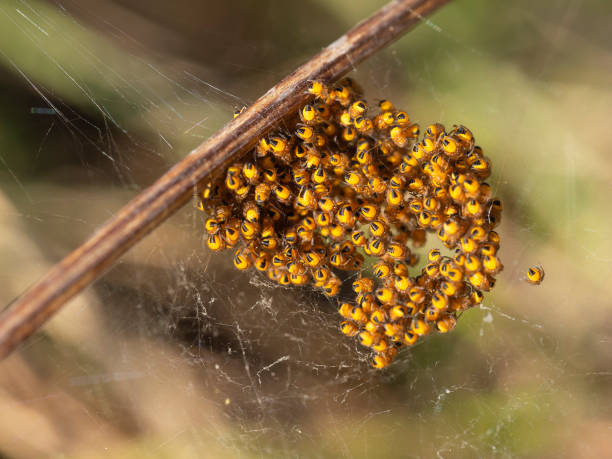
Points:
(149, 209)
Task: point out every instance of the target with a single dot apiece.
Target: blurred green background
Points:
(175, 354)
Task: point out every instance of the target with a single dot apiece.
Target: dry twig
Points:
(149, 209)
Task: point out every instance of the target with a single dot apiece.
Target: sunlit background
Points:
(173, 353)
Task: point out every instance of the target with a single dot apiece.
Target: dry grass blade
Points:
(148, 210)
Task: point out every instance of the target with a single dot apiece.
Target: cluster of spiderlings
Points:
(345, 184)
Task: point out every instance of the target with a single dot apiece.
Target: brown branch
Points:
(149, 209)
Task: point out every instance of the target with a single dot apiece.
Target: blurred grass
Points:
(172, 354)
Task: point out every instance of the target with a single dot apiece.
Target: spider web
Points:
(175, 353)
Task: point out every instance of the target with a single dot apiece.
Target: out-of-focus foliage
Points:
(175, 354)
